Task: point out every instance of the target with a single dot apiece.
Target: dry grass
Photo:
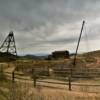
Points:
(27, 92)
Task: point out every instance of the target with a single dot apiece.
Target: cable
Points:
(86, 39)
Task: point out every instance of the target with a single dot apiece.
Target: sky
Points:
(44, 26)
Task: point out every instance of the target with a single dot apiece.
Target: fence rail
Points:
(41, 79)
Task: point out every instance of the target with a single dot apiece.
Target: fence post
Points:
(48, 71)
(13, 77)
(35, 79)
(69, 80)
(2, 76)
(33, 70)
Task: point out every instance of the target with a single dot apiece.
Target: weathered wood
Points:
(35, 79)
(70, 85)
(13, 77)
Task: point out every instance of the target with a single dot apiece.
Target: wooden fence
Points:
(68, 81)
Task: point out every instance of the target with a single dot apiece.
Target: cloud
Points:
(54, 22)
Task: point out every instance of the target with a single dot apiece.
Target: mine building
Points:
(59, 55)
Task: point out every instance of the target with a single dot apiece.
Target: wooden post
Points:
(33, 70)
(48, 71)
(35, 79)
(13, 77)
(69, 80)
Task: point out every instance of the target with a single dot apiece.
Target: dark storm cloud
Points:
(35, 20)
(25, 15)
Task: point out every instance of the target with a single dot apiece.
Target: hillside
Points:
(92, 53)
(88, 57)
(7, 57)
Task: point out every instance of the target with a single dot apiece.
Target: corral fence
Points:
(83, 77)
(85, 80)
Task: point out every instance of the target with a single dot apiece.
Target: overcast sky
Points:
(43, 26)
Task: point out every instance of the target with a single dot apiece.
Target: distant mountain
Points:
(7, 57)
(34, 57)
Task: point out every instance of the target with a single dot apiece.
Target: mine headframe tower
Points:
(9, 45)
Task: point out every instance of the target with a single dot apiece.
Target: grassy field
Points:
(24, 89)
(27, 92)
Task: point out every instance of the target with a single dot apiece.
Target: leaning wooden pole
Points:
(74, 63)
(78, 43)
